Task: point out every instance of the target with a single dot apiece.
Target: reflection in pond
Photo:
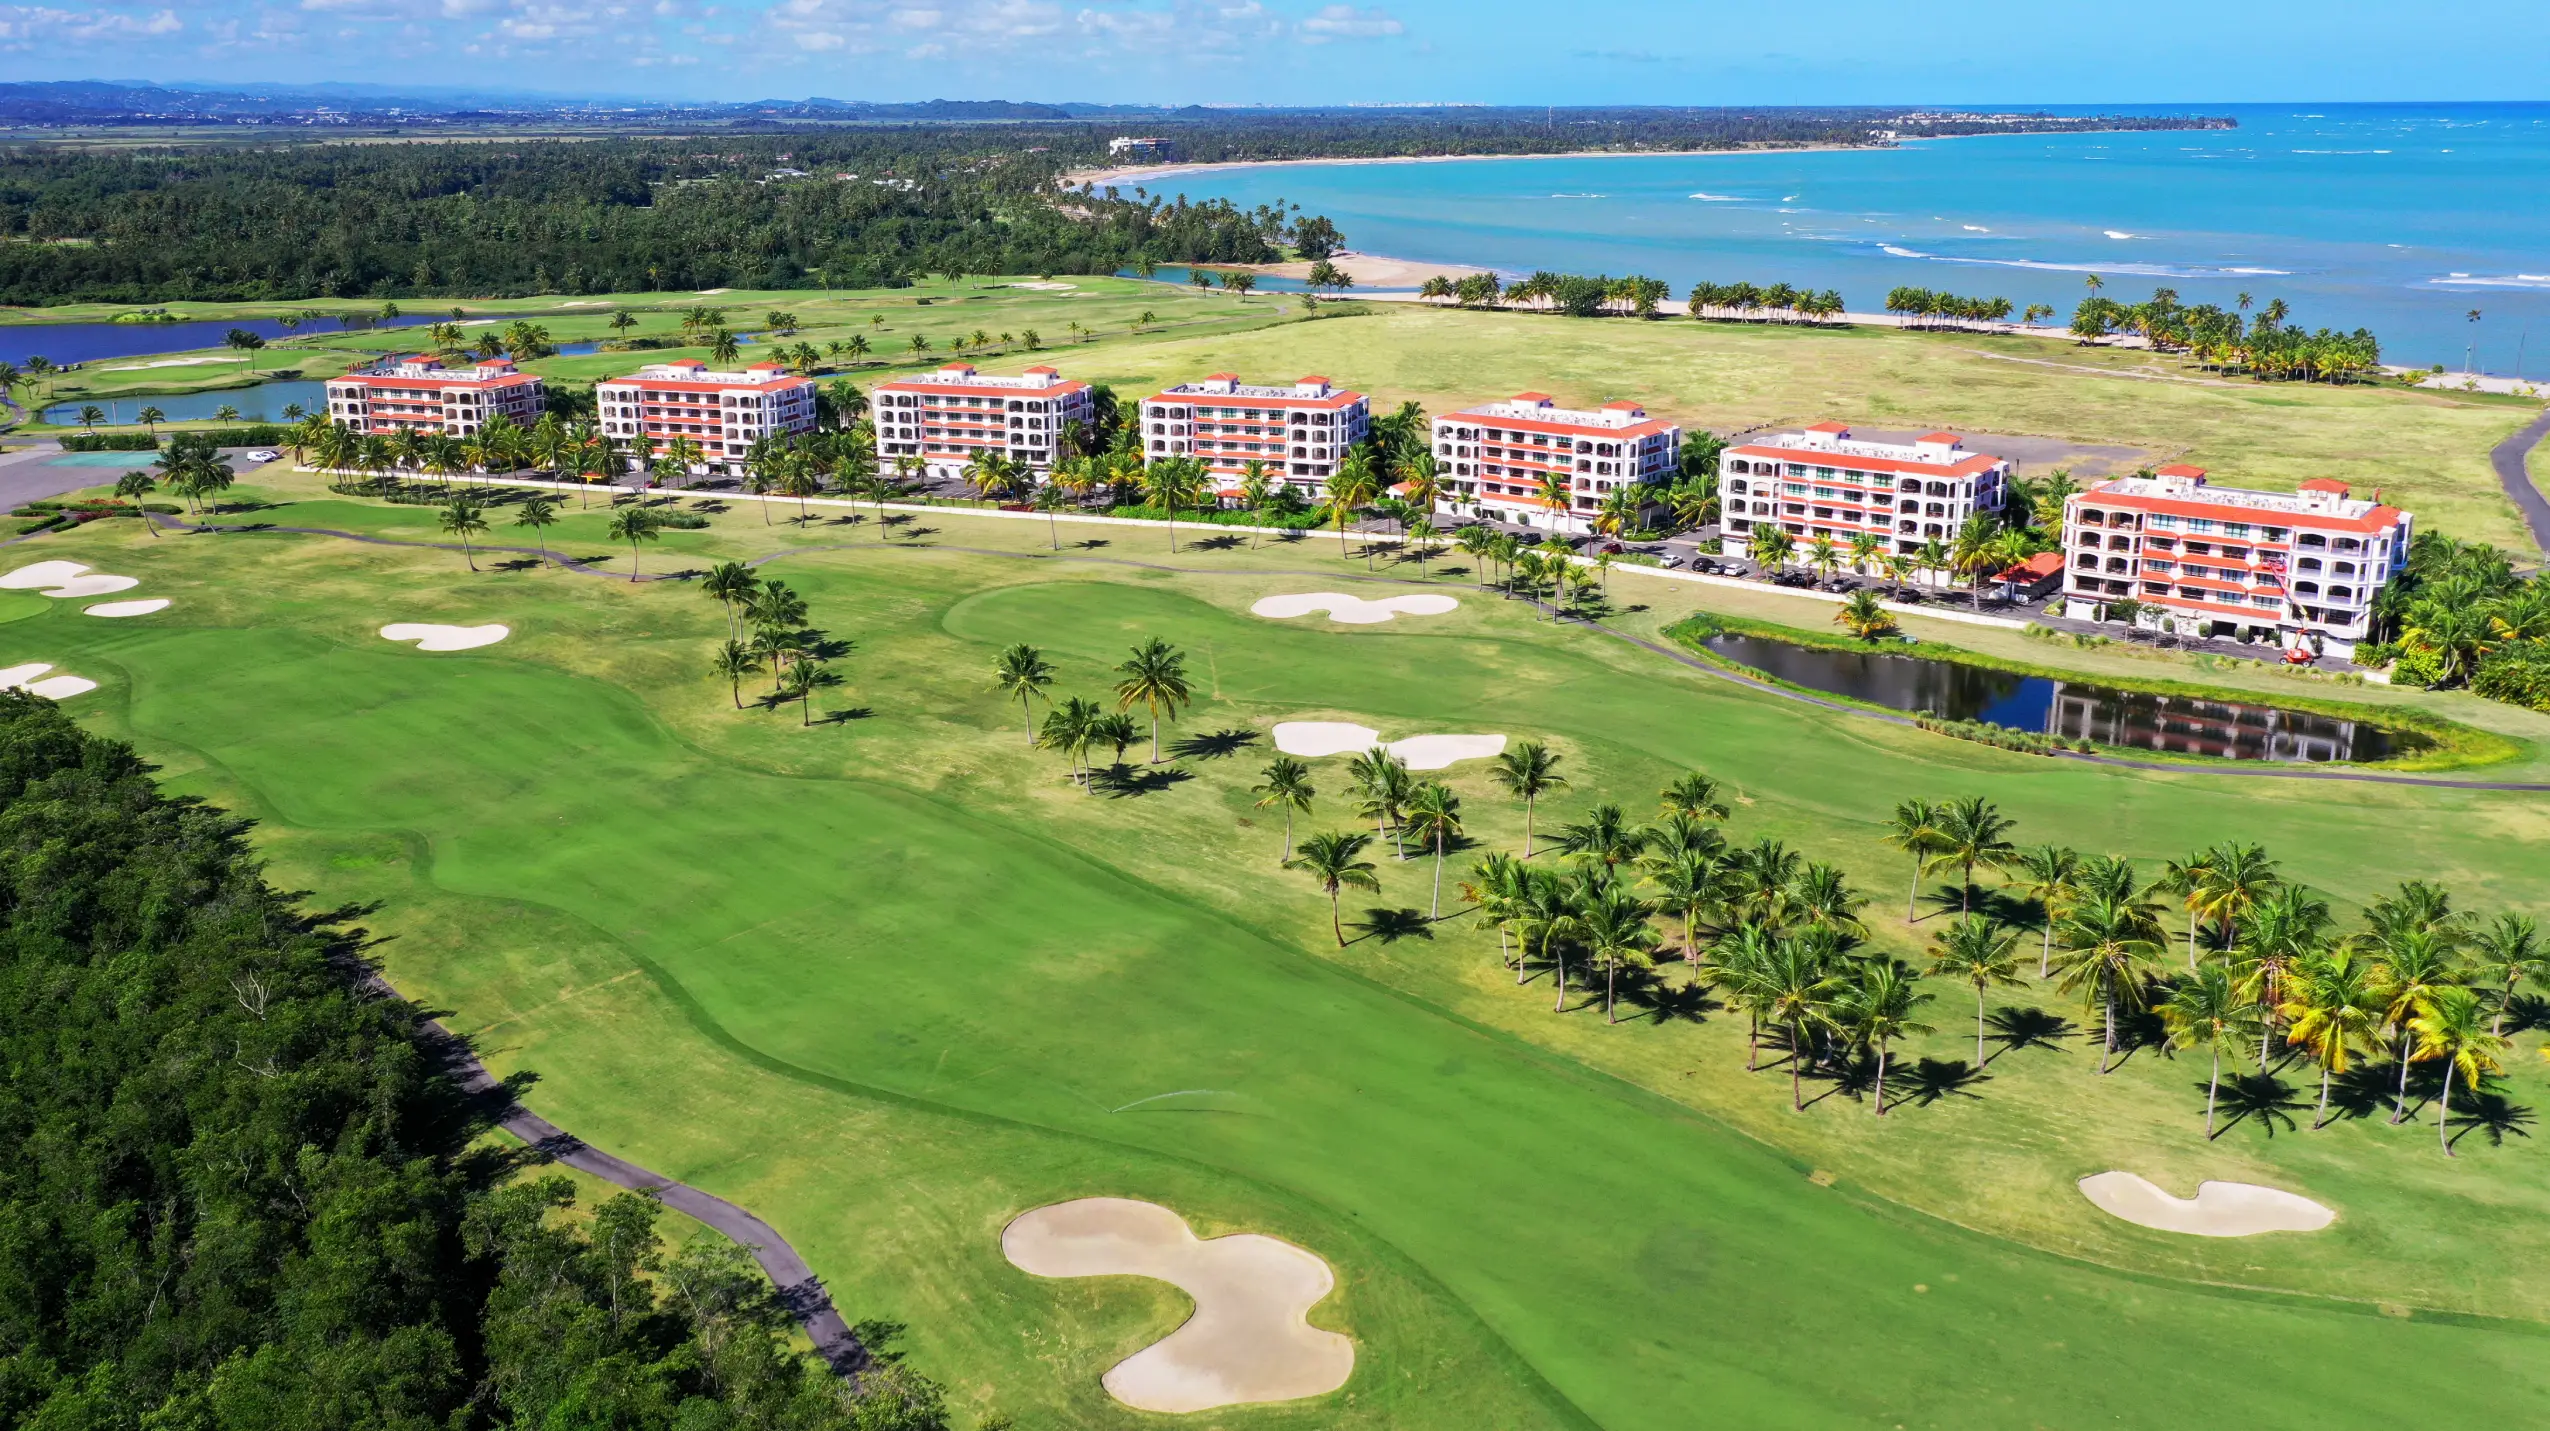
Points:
(2073, 710)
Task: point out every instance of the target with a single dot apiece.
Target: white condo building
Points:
(1300, 432)
(1822, 483)
(945, 418)
(1495, 460)
(722, 414)
(2304, 565)
(419, 394)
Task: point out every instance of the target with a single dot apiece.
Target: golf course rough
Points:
(888, 981)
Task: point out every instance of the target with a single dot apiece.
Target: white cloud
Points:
(26, 26)
(1345, 22)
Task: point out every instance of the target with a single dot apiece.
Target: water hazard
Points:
(2073, 710)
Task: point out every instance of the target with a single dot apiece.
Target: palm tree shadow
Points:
(1222, 543)
(1092, 544)
(2364, 1090)
(2018, 1026)
(515, 564)
(1952, 900)
(1213, 745)
(2264, 1098)
(1928, 1080)
(1121, 782)
(2527, 1012)
(844, 717)
(1391, 925)
(2493, 1115)
(1668, 1002)
(2136, 1030)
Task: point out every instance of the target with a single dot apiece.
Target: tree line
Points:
(2460, 616)
(241, 1188)
(2229, 340)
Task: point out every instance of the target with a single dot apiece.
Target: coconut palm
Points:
(1688, 882)
(2186, 878)
(1288, 786)
(1349, 491)
(1796, 985)
(1613, 925)
(2509, 949)
(2414, 964)
(1864, 615)
(1384, 786)
(1877, 1008)
(735, 661)
(539, 513)
(2270, 938)
(464, 520)
(1154, 678)
(1527, 772)
(150, 418)
(2234, 879)
(133, 486)
(1972, 832)
(1331, 858)
(2049, 875)
(1433, 815)
(1693, 795)
(1821, 895)
(2207, 1008)
(2453, 1030)
(733, 585)
(1978, 952)
(1070, 727)
(805, 677)
(2333, 1008)
(2108, 946)
(1915, 829)
(635, 525)
(1023, 671)
(1604, 837)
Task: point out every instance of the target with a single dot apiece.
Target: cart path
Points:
(2508, 457)
(800, 1291)
(2258, 770)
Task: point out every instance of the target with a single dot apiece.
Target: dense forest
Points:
(238, 1190)
(841, 209)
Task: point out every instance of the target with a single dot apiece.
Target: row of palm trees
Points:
(1982, 547)
(2226, 340)
(1926, 308)
(1779, 303)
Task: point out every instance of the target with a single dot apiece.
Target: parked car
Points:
(264, 454)
(1669, 562)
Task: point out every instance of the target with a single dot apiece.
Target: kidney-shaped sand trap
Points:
(59, 688)
(1247, 1340)
(431, 637)
(1353, 610)
(2217, 1209)
(1315, 738)
(127, 608)
(65, 580)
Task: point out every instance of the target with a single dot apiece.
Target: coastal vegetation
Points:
(2228, 340)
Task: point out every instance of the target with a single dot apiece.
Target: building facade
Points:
(2303, 566)
(419, 394)
(1300, 432)
(1822, 483)
(944, 419)
(723, 414)
(1497, 460)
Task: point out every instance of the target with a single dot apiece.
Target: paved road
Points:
(799, 1289)
(2508, 457)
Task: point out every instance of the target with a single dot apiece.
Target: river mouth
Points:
(2073, 710)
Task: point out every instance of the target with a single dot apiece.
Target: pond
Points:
(88, 342)
(263, 403)
(2073, 710)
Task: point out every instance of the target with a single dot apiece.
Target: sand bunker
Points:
(431, 637)
(1247, 1340)
(65, 579)
(58, 688)
(128, 608)
(1352, 610)
(1315, 738)
(2217, 1209)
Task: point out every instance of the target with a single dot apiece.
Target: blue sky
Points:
(1321, 51)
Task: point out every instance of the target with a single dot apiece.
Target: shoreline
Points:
(1136, 172)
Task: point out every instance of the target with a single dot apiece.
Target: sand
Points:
(67, 579)
(1248, 1340)
(1312, 739)
(57, 688)
(128, 608)
(2217, 1209)
(96, 583)
(430, 636)
(1352, 610)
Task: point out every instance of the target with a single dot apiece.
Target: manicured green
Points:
(891, 980)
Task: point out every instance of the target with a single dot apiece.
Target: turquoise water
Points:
(2397, 218)
(263, 403)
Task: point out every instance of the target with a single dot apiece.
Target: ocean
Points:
(2404, 219)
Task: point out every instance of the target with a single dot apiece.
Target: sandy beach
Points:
(1145, 173)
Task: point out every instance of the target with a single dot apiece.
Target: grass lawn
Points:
(891, 980)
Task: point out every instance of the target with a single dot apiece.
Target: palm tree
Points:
(1023, 671)
(1864, 615)
(1433, 815)
(1972, 832)
(1603, 838)
(1915, 829)
(2416, 965)
(2234, 880)
(1981, 953)
(2108, 943)
(2205, 1008)
(805, 677)
(1069, 728)
(1797, 985)
(1689, 882)
(1527, 772)
(91, 416)
(1382, 779)
(735, 661)
(1287, 785)
(1330, 858)
(732, 584)
(150, 418)
(1154, 677)
(539, 514)
(462, 519)
(1613, 924)
(1351, 489)
(634, 524)
(2334, 1009)
(1878, 1009)
(2270, 939)
(2186, 878)
(2509, 949)
(133, 486)
(1693, 795)
(2049, 875)
(2451, 1030)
